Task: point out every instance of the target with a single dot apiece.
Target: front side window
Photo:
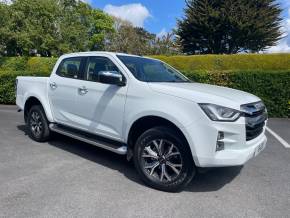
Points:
(149, 70)
(96, 65)
(70, 68)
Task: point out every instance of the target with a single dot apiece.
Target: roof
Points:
(98, 52)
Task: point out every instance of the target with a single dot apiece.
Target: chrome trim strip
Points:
(253, 108)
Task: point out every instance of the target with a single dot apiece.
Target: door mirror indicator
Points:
(111, 77)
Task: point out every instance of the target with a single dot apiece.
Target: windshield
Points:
(149, 70)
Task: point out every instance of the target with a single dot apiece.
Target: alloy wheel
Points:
(161, 160)
(36, 124)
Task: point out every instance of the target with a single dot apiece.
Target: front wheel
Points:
(163, 159)
(37, 124)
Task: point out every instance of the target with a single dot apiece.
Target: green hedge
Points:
(40, 64)
(13, 63)
(229, 62)
(7, 84)
(242, 62)
(272, 86)
(33, 64)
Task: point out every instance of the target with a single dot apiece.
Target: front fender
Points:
(142, 114)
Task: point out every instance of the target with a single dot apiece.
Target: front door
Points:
(100, 107)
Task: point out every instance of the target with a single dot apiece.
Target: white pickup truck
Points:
(147, 110)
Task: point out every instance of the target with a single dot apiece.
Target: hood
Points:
(204, 93)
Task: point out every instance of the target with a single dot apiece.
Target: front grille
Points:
(255, 116)
(254, 131)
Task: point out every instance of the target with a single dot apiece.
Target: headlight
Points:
(220, 113)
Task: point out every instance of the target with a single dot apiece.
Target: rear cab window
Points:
(71, 68)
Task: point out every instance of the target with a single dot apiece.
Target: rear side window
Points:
(96, 65)
(70, 68)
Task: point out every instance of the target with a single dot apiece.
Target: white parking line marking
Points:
(282, 141)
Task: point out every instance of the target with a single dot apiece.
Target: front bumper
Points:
(202, 138)
(234, 157)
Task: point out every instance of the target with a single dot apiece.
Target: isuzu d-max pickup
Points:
(147, 110)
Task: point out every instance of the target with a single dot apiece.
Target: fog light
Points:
(221, 136)
(220, 144)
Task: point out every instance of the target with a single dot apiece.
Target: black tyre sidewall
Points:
(45, 132)
(188, 170)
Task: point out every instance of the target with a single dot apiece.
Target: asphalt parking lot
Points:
(68, 178)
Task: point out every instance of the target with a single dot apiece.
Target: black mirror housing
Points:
(111, 77)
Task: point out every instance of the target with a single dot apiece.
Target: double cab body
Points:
(147, 110)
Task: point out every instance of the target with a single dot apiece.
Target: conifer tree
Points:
(229, 26)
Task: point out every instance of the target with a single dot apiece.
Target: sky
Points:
(159, 16)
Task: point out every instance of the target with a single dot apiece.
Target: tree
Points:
(136, 40)
(129, 39)
(72, 22)
(29, 25)
(82, 28)
(144, 41)
(229, 26)
(166, 45)
(4, 30)
(101, 25)
(51, 27)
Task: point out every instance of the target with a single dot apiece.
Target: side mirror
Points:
(111, 77)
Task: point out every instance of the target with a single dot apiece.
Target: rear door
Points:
(100, 107)
(63, 90)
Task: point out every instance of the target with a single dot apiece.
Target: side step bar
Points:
(116, 147)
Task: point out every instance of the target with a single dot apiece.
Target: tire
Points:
(168, 167)
(37, 124)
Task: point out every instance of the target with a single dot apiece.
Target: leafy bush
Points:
(184, 63)
(40, 64)
(7, 84)
(33, 64)
(13, 63)
(273, 87)
(228, 62)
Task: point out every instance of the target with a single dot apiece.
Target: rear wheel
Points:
(163, 159)
(37, 124)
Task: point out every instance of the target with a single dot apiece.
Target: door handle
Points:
(83, 90)
(53, 85)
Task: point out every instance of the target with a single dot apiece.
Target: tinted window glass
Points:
(70, 68)
(96, 65)
(150, 70)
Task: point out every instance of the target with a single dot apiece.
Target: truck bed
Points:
(29, 84)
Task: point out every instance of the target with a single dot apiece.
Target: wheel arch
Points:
(144, 123)
(31, 101)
